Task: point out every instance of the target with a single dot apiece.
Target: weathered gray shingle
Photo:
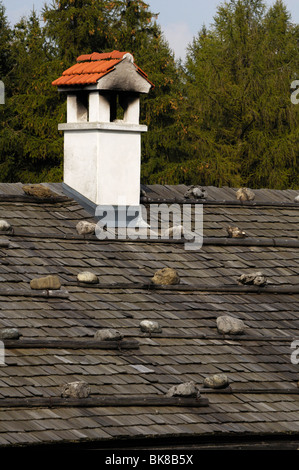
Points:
(263, 397)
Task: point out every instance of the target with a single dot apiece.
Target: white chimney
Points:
(102, 136)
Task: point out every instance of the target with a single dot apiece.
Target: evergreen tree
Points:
(135, 29)
(78, 27)
(271, 153)
(30, 148)
(242, 127)
(132, 26)
(5, 42)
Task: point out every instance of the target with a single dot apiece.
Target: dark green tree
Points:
(135, 29)
(5, 43)
(241, 125)
(78, 27)
(30, 147)
(271, 152)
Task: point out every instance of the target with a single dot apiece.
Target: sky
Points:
(180, 20)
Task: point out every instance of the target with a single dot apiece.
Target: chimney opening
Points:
(82, 106)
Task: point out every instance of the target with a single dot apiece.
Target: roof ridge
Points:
(97, 56)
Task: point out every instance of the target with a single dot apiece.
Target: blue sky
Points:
(180, 20)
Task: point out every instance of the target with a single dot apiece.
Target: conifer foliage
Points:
(240, 121)
(5, 40)
(30, 147)
(224, 117)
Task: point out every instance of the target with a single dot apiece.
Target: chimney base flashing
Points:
(112, 216)
(88, 205)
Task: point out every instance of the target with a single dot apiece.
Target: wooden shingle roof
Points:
(129, 380)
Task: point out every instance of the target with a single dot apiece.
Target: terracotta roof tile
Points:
(80, 79)
(91, 67)
(101, 56)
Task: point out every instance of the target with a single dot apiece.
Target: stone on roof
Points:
(128, 380)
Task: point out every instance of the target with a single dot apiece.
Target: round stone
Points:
(148, 326)
(165, 277)
(9, 333)
(85, 228)
(78, 389)
(256, 279)
(4, 225)
(48, 282)
(230, 325)
(88, 278)
(187, 389)
(216, 381)
(108, 334)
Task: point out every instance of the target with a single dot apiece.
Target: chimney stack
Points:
(102, 135)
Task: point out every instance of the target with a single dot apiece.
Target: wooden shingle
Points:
(263, 397)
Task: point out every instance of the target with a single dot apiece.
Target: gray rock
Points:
(195, 192)
(9, 333)
(87, 277)
(85, 228)
(108, 334)
(256, 279)
(148, 326)
(216, 381)
(245, 194)
(296, 199)
(230, 325)
(166, 276)
(235, 232)
(4, 225)
(187, 389)
(47, 282)
(38, 191)
(78, 389)
(260, 280)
